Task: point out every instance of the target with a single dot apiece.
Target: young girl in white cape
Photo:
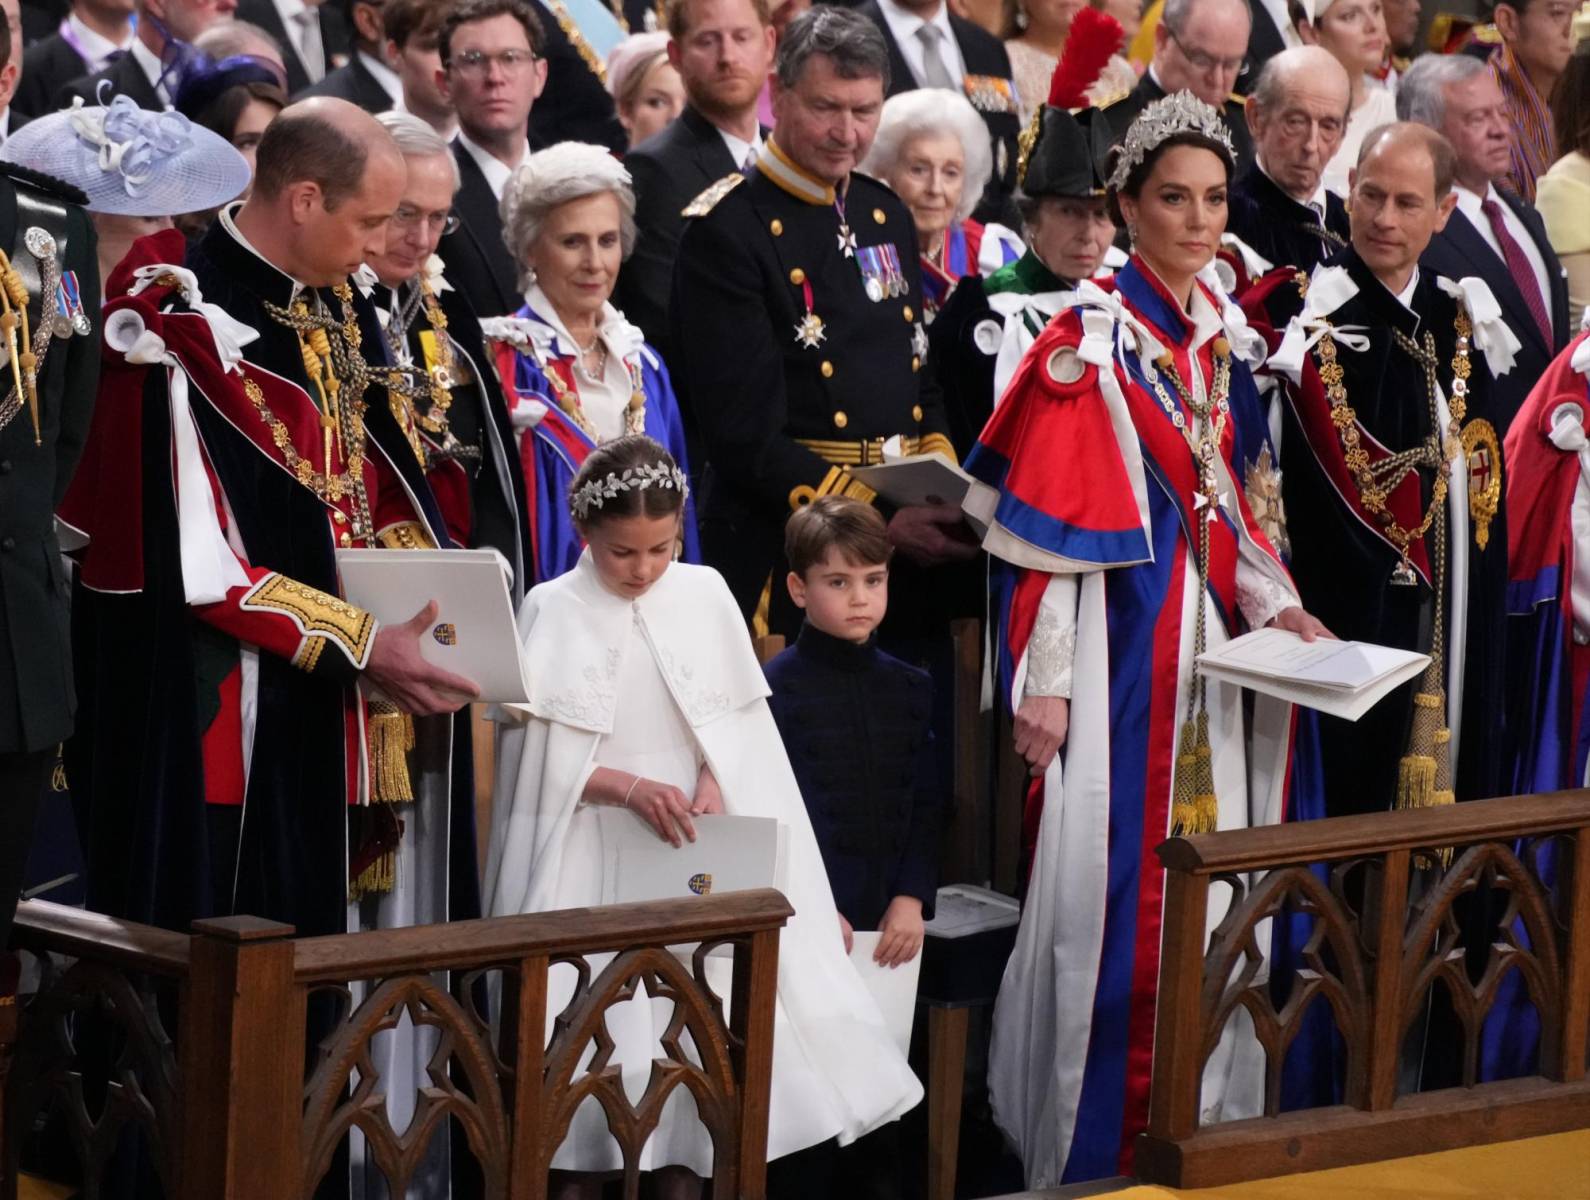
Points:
(645, 694)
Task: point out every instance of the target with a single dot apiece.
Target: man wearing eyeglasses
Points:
(1199, 47)
(1279, 206)
(492, 71)
(459, 415)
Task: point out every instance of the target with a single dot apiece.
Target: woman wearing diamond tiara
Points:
(1159, 541)
(574, 371)
(645, 696)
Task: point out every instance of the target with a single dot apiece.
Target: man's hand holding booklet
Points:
(1341, 679)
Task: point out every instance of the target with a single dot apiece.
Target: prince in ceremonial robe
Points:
(229, 758)
(1392, 479)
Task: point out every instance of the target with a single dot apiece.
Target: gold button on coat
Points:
(878, 216)
(908, 314)
(916, 365)
(797, 277)
(916, 412)
(827, 369)
(776, 226)
(840, 420)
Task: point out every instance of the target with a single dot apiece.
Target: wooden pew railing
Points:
(1391, 923)
(233, 1110)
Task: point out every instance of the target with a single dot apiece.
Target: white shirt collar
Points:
(739, 148)
(384, 75)
(230, 225)
(903, 24)
(5, 125)
(1470, 201)
(97, 46)
(1405, 297)
(496, 171)
(152, 69)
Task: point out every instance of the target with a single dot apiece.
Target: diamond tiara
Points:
(633, 479)
(1164, 118)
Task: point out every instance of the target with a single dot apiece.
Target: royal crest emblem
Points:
(1263, 488)
(1483, 453)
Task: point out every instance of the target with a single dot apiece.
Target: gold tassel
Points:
(1193, 808)
(379, 877)
(390, 733)
(1424, 776)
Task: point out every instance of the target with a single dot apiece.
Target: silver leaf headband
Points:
(633, 479)
(1179, 113)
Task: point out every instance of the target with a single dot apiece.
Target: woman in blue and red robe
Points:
(1131, 427)
(575, 373)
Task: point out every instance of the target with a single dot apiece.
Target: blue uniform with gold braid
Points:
(799, 345)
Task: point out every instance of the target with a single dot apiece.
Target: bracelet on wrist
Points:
(633, 784)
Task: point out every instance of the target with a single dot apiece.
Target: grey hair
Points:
(1421, 92)
(846, 38)
(1175, 14)
(1269, 90)
(231, 38)
(553, 177)
(932, 111)
(416, 139)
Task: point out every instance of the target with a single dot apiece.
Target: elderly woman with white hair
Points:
(932, 148)
(574, 371)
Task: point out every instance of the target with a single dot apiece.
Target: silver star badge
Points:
(810, 331)
(919, 341)
(847, 242)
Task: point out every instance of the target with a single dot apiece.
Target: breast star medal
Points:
(809, 332)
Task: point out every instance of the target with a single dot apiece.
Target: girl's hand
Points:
(846, 932)
(663, 807)
(709, 796)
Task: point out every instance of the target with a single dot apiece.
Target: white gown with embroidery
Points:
(657, 686)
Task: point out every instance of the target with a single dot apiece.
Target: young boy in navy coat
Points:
(856, 725)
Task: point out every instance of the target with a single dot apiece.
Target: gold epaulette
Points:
(708, 200)
(1107, 99)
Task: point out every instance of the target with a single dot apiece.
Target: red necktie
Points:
(1518, 266)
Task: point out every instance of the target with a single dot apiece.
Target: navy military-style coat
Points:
(855, 723)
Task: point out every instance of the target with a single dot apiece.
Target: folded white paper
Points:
(474, 633)
(1341, 679)
(894, 988)
(730, 854)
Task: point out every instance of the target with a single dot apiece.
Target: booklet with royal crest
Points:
(730, 854)
(928, 479)
(1341, 679)
(474, 634)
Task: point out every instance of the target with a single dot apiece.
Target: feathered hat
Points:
(1063, 150)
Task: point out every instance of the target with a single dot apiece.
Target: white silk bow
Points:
(230, 334)
(1496, 341)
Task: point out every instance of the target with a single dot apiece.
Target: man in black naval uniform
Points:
(44, 233)
(797, 323)
(1279, 206)
(1199, 47)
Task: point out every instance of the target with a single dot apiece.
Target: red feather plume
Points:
(1094, 36)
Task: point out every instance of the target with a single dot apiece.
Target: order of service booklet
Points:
(474, 634)
(730, 854)
(1341, 679)
(928, 479)
(894, 988)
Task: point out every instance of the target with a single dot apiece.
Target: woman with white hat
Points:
(136, 167)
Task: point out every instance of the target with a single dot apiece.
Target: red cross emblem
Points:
(1479, 469)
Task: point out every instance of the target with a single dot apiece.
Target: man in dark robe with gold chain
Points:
(431, 333)
(242, 437)
(1391, 477)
